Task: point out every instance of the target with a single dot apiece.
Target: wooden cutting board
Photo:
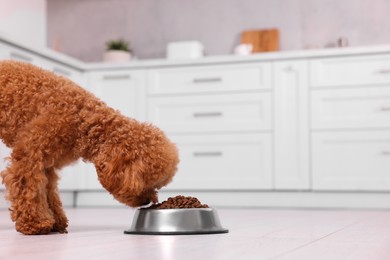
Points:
(262, 40)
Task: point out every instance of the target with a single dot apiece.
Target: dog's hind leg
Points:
(54, 201)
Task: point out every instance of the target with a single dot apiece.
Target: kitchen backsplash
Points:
(81, 28)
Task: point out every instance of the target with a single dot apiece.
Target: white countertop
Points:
(260, 57)
(151, 63)
(46, 52)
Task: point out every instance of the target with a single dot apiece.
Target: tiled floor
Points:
(254, 234)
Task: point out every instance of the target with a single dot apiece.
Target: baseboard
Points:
(67, 199)
(3, 203)
(96, 199)
(345, 200)
(288, 199)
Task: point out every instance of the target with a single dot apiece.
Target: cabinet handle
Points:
(385, 108)
(207, 154)
(289, 69)
(386, 152)
(384, 71)
(21, 57)
(207, 80)
(208, 114)
(116, 77)
(62, 72)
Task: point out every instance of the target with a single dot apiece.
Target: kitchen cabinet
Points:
(350, 123)
(209, 79)
(351, 160)
(121, 90)
(10, 52)
(278, 129)
(211, 113)
(71, 176)
(358, 70)
(357, 108)
(220, 117)
(291, 136)
(74, 75)
(3, 51)
(224, 162)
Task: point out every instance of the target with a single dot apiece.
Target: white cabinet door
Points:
(211, 113)
(90, 179)
(209, 79)
(68, 72)
(72, 177)
(350, 71)
(3, 51)
(18, 54)
(223, 162)
(367, 107)
(121, 90)
(15, 53)
(291, 137)
(353, 160)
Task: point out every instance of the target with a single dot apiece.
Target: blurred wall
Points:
(24, 20)
(80, 28)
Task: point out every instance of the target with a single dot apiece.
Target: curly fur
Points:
(50, 122)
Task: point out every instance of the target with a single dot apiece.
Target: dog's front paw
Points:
(61, 222)
(59, 228)
(41, 227)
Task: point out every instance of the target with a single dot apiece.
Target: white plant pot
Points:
(116, 56)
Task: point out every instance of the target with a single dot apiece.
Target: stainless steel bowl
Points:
(176, 222)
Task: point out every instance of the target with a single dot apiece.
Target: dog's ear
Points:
(132, 178)
(121, 176)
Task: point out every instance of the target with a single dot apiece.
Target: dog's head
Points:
(134, 170)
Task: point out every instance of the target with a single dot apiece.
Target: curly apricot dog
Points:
(49, 122)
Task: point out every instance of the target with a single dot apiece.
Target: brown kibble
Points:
(179, 202)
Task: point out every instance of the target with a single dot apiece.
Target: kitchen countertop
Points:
(219, 59)
(46, 53)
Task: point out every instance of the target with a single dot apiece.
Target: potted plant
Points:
(117, 51)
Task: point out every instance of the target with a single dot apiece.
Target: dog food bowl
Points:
(176, 222)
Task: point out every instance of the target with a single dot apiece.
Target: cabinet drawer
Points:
(228, 162)
(73, 176)
(351, 108)
(351, 160)
(210, 79)
(120, 90)
(61, 70)
(18, 54)
(354, 71)
(211, 113)
(3, 51)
